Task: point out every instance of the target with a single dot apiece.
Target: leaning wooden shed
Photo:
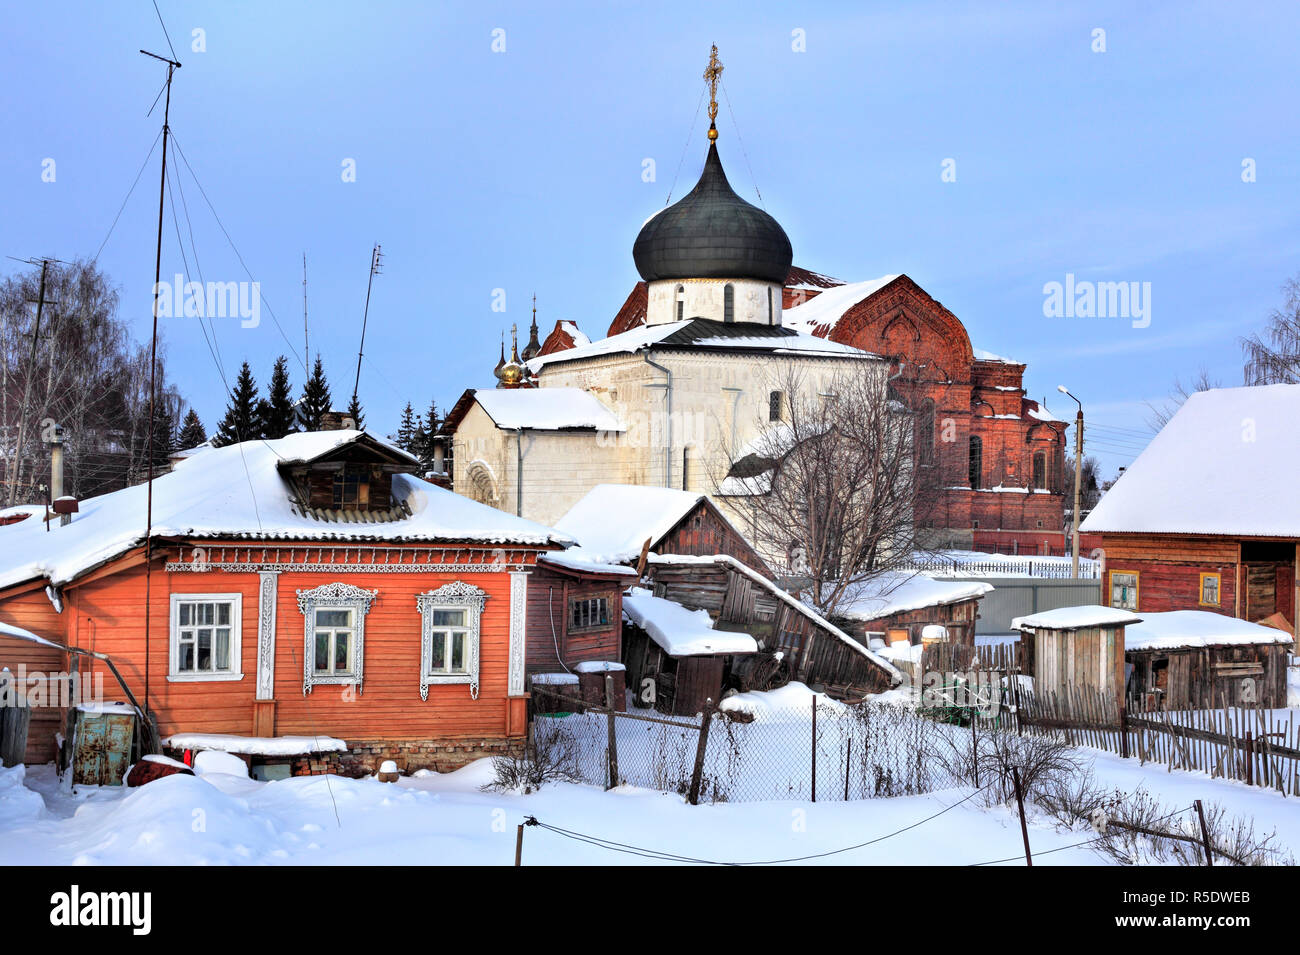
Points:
(675, 658)
(1195, 659)
(809, 647)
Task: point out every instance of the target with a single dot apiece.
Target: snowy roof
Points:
(788, 599)
(612, 521)
(1226, 463)
(699, 333)
(256, 745)
(982, 355)
(583, 561)
(682, 632)
(822, 313)
(1178, 629)
(237, 492)
(546, 409)
(1075, 618)
(899, 592)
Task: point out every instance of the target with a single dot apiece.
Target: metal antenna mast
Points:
(376, 268)
(172, 67)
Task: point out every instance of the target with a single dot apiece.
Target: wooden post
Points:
(814, 748)
(519, 845)
(848, 758)
(1205, 833)
(1250, 759)
(701, 747)
(613, 742)
(1024, 828)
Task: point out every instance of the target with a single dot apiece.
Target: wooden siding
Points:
(704, 532)
(33, 611)
(1205, 678)
(107, 614)
(1064, 660)
(549, 593)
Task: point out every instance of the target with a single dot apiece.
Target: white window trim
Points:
(236, 640)
(342, 596)
(456, 595)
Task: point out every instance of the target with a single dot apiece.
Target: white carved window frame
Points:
(235, 670)
(457, 595)
(335, 596)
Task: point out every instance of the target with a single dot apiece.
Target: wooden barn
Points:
(1075, 648)
(795, 642)
(304, 587)
(1206, 518)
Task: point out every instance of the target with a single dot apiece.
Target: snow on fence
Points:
(1053, 568)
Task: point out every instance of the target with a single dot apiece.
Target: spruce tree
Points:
(192, 432)
(431, 426)
(356, 414)
(315, 403)
(406, 429)
(280, 417)
(242, 421)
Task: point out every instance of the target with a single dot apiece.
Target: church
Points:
(689, 371)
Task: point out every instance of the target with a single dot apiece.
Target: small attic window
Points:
(347, 489)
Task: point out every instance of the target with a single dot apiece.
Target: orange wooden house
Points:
(306, 587)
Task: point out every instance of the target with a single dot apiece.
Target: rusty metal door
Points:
(103, 748)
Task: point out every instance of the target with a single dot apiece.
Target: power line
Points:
(134, 183)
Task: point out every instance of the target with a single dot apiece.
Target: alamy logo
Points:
(181, 299)
(74, 907)
(1085, 299)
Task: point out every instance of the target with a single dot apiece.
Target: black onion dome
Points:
(712, 233)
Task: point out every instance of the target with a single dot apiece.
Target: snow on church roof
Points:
(1226, 463)
(237, 492)
(546, 409)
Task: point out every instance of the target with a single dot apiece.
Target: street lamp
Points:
(1078, 481)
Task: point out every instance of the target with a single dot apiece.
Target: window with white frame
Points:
(449, 640)
(335, 621)
(205, 637)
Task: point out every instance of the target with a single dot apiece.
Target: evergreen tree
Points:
(280, 417)
(421, 446)
(242, 421)
(356, 414)
(192, 432)
(406, 429)
(316, 399)
(432, 424)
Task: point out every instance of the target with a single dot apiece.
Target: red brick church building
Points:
(999, 454)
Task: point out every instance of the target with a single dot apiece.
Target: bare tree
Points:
(1273, 356)
(84, 373)
(1159, 414)
(832, 491)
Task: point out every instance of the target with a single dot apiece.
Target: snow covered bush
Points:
(549, 756)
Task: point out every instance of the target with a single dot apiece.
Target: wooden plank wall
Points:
(33, 611)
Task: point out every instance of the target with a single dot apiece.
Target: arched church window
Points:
(975, 467)
(681, 302)
(925, 432)
(728, 303)
(1040, 471)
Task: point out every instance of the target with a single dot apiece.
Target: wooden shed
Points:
(1076, 648)
(899, 606)
(811, 648)
(676, 659)
(1194, 659)
(575, 612)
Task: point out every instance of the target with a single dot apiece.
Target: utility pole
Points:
(172, 67)
(1078, 482)
(15, 471)
(376, 261)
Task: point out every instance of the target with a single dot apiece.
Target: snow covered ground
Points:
(447, 819)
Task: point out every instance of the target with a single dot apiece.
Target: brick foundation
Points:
(363, 757)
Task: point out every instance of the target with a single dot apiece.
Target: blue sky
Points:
(522, 170)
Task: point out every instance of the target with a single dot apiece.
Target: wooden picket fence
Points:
(1258, 747)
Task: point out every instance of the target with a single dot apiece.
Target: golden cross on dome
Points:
(712, 74)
